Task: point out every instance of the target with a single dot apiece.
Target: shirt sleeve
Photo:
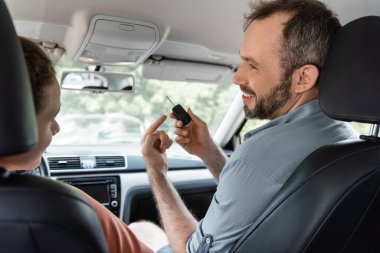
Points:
(243, 192)
(117, 234)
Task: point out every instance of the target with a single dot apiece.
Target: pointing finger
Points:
(153, 128)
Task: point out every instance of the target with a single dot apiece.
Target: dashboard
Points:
(119, 181)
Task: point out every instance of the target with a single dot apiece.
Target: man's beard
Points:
(268, 105)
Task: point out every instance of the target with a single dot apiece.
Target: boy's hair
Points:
(41, 71)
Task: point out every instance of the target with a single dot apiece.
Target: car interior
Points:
(119, 63)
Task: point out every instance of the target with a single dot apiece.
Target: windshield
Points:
(117, 118)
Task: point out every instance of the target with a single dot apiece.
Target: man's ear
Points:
(305, 78)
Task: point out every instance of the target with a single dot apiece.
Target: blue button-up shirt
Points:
(258, 169)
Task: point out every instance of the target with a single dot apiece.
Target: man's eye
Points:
(252, 66)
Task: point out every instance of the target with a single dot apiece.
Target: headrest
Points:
(18, 130)
(350, 79)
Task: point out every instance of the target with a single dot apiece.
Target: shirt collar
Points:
(301, 112)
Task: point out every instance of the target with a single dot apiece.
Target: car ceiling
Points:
(188, 24)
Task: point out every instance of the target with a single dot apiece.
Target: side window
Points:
(249, 125)
(360, 128)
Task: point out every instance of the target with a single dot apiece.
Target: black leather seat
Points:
(331, 203)
(37, 215)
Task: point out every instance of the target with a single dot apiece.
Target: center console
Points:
(104, 189)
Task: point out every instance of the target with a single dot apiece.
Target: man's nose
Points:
(239, 77)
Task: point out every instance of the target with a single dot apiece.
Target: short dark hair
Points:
(41, 71)
(306, 36)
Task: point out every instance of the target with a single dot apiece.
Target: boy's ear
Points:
(305, 78)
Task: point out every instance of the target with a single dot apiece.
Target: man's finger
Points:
(182, 140)
(172, 116)
(193, 117)
(150, 141)
(157, 145)
(153, 128)
(165, 141)
(181, 132)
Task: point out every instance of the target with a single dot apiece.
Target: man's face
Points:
(266, 92)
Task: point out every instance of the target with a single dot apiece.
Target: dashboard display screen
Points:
(97, 191)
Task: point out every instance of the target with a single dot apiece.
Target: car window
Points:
(360, 128)
(107, 118)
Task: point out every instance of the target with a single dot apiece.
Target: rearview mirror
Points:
(97, 81)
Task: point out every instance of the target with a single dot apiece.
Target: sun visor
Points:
(118, 41)
(185, 71)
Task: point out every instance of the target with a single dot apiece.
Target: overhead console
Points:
(114, 40)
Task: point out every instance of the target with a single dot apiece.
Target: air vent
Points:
(64, 163)
(86, 163)
(110, 162)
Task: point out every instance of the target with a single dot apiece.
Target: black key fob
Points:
(181, 114)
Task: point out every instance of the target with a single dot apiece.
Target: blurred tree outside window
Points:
(251, 124)
(146, 104)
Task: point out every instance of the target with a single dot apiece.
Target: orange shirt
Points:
(118, 236)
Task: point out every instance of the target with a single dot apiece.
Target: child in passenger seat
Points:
(46, 97)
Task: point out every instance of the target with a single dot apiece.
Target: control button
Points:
(113, 190)
(127, 27)
(114, 203)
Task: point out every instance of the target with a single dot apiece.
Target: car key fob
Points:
(180, 113)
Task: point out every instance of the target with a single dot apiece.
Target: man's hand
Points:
(178, 222)
(154, 144)
(196, 139)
